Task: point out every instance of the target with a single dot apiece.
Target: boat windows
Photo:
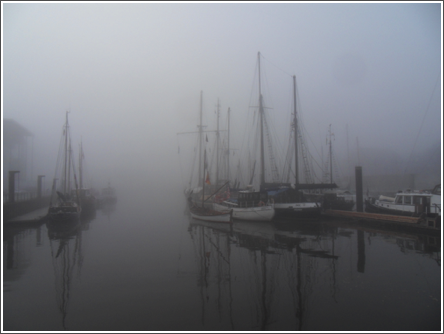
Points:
(407, 199)
(399, 200)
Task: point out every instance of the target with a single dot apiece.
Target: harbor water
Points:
(145, 265)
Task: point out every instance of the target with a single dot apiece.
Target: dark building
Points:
(17, 154)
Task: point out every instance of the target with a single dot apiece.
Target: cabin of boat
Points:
(250, 198)
(286, 195)
(409, 203)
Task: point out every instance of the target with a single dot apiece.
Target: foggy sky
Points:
(131, 76)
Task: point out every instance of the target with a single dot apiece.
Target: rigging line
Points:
(427, 161)
(248, 107)
(276, 66)
(423, 118)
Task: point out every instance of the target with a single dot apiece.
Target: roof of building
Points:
(13, 132)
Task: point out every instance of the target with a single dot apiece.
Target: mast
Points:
(200, 140)
(66, 155)
(348, 154)
(80, 166)
(228, 149)
(217, 144)
(295, 123)
(261, 113)
(203, 180)
(69, 166)
(331, 164)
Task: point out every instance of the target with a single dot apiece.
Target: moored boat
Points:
(289, 199)
(64, 204)
(408, 203)
(249, 206)
(209, 215)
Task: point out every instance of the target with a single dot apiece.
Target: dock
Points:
(35, 216)
(429, 224)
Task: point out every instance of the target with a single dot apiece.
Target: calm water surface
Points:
(144, 265)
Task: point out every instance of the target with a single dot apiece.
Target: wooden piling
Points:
(11, 192)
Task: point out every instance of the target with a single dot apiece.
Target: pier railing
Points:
(23, 206)
(20, 196)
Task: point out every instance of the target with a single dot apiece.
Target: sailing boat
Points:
(334, 199)
(249, 205)
(64, 205)
(200, 212)
(289, 200)
(197, 207)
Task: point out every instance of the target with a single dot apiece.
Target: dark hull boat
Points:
(289, 199)
(64, 206)
(289, 202)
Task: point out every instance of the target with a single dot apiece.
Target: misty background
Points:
(131, 75)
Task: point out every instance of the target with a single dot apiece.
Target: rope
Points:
(277, 67)
(420, 128)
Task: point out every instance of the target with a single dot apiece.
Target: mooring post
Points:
(39, 186)
(11, 194)
(359, 194)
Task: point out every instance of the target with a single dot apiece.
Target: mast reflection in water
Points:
(66, 253)
(286, 276)
(125, 270)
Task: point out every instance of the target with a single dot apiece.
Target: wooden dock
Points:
(35, 216)
(410, 222)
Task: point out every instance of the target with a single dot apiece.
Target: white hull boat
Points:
(256, 213)
(209, 215)
(408, 203)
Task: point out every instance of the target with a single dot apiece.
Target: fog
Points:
(131, 75)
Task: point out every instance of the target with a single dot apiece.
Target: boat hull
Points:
(208, 215)
(63, 213)
(390, 209)
(298, 209)
(258, 213)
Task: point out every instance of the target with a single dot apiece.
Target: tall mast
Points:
(200, 140)
(69, 166)
(348, 155)
(331, 164)
(228, 149)
(80, 166)
(203, 180)
(217, 144)
(261, 113)
(66, 154)
(295, 123)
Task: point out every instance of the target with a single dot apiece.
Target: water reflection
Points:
(67, 256)
(16, 251)
(265, 270)
(108, 208)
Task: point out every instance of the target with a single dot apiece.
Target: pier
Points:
(24, 207)
(428, 224)
(30, 218)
